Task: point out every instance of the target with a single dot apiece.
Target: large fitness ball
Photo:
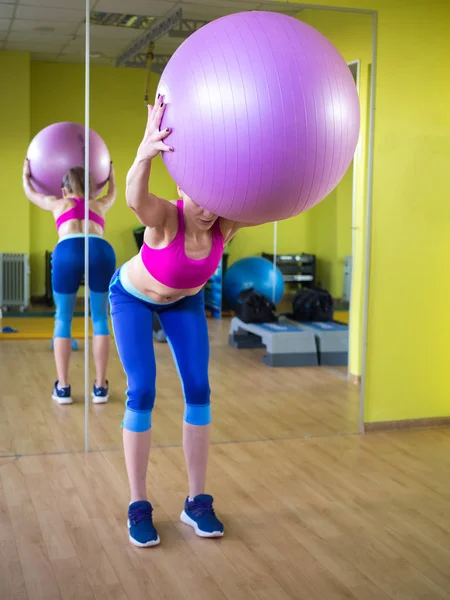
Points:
(253, 272)
(58, 148)
(265, 116)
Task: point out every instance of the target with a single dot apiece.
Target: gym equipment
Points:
(60, 147)
(252, 272)
(74, 345)
(287, 345)
(331, 340)
(265, 118)
(298, 269)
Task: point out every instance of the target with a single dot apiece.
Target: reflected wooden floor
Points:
(345, 517)
(250, 400)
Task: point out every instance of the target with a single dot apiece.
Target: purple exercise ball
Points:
(58, 148)
(265, 116)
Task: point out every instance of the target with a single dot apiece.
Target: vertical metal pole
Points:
(86, 233)
(368, 216)
(275, 243)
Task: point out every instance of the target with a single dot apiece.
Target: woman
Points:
(68, 271)
(183, 246)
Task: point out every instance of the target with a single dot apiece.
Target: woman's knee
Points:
(139, 407)
(65, 306)
(197, 394)
(99, 313)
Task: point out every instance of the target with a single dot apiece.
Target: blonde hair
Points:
(73, 181)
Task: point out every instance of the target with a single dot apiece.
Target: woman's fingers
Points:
(161, 135)
(164, 147)
(159, 111)
(26, 167)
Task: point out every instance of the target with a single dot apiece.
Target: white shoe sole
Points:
(205, 534)
(146, 545)
(140, 544)
(62, 400)
(99, 399)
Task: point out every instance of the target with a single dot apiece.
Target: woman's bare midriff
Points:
(141, 279)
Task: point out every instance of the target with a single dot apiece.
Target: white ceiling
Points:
(54, 30)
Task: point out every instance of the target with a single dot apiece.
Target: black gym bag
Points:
(253, 307)
(312, 304)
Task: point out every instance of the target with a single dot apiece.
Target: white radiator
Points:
(14, 281)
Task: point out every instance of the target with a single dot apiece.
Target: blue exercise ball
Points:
(253, 272)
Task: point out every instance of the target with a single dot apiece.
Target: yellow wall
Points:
(14, 137)
(118, 114)
(408, 325)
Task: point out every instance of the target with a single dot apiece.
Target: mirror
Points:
(42, 57)
(130, 46)
(41, 66)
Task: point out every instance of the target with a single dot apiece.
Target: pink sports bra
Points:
(77, 212)
(170, 265)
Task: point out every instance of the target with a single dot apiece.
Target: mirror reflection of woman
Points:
(68, 272)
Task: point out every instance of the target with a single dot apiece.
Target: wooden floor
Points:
(343, 517)
(250, 400)
(309, 514)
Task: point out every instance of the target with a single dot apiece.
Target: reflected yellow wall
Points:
(14, 136)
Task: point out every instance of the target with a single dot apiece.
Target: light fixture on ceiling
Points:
(120, 20)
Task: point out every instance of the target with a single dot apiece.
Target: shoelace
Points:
(142, 513)
(201, 508)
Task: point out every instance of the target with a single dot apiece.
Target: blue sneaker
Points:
(62, 395)
(199, 514)
(140, 524)
(100, 395)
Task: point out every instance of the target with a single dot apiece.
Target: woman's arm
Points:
(108, 199)
(41, 200)
(150, 210)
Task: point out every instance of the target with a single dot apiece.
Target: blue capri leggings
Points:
(67, 273)
(184, 323)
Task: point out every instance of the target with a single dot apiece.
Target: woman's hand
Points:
(112, 174)
(26, 174)
(153, 144)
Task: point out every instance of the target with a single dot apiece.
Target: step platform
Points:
(331, 340)
(287, 344)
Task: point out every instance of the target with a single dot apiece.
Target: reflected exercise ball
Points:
(60, 147)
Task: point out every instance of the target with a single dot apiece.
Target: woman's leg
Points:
(67, 271)
(133, 324)
(101, 341)
(196, 451)
(102, 264)
(62, 335)
(187, 334)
